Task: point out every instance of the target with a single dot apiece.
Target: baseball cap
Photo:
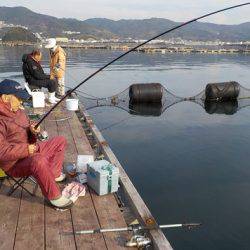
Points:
(51, 43)
(10, 87)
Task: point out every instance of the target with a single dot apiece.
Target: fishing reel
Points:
(139, 241)
(43, 136)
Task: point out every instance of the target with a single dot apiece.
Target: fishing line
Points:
(116, 123)
(133, 49)
(108, 105)
(73, 78)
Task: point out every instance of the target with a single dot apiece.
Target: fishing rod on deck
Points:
(133, 49)
(137, 227)
(139, 238)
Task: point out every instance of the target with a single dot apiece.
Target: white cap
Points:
(51, 43)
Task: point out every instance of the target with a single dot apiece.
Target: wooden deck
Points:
(27, 222)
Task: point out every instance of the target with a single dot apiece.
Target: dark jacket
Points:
(32, 70)
(15, 136)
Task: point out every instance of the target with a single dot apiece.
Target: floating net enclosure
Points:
(153, 99)
(139, 99)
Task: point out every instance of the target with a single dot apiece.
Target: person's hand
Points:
(34, 130)
(57, 67)
(32, 149)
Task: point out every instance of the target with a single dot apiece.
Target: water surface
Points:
(188, 165)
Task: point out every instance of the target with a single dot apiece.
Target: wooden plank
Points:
(83, 212)
(9, 211)
(30, 230)
(110, 216)
(85, 218)
(57, 222)
(108, 212)
(64, 130)
(138, 205)
(81, 141)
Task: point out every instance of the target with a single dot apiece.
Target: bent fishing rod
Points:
(133, 49)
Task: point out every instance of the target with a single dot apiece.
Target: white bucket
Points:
(72, 104)
(38, 99)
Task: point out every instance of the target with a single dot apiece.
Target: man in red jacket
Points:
(20, 154)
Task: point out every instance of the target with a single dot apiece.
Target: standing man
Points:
(57, 65)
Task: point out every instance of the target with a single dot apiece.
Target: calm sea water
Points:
(188, 165)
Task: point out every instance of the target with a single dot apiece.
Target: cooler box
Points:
(103, 177)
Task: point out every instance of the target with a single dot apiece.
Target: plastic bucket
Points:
(38, 99)
(72, 104)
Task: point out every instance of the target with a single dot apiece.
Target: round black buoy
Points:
(222, 91)
(146, 93)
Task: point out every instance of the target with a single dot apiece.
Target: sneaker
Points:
(62, 203)
(58, 96)
(61, 178)
(52, 98)
(57, 99)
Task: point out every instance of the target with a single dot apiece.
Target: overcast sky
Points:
(177, 10)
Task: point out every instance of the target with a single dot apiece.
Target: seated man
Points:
(20, 154)
(35, 76)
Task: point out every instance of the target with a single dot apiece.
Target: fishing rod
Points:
(137, 227)
(133, 49)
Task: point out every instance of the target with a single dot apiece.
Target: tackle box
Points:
(102, 177)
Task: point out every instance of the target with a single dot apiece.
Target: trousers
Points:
(45, 165)
(49, 84)
(61, 86)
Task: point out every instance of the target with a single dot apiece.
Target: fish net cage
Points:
(153, 99)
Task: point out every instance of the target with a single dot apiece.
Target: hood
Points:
(26, 57)
(5, 110)
(18, 117)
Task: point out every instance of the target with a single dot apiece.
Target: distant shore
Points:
(151, 48)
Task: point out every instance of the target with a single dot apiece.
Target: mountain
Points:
(106, 28)
(142, 29)
(50, 26)
(20, 35)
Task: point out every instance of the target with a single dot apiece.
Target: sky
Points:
(176, 10)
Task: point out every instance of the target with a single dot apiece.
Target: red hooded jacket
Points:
(15, 136)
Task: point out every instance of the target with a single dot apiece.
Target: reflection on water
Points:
(188, 165)
(227, 107)
(145, 109)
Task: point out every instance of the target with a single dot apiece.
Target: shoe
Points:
(61, 178)
(57, 99)
(58, 96)
(62, 203)
(52, 98)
